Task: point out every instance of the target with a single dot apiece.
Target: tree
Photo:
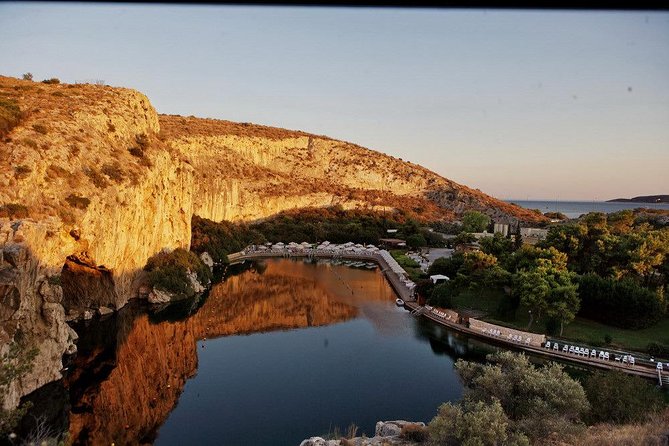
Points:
(16, 363)
(463, 238)
(497, 245)
(447, 266)
(475, 221)
(415, 241)
(27, 76)
(548, 287)
(617, 397)
(537, 401)
(442, 296)
(563, 303)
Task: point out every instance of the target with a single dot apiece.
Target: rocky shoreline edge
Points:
(386, 433)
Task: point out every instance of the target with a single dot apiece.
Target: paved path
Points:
(405, 294)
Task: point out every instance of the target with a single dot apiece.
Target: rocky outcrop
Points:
(388, 433)
(30, 304)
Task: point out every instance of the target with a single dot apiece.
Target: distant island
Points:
(642, 199)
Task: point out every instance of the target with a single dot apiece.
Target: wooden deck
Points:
(403, 293)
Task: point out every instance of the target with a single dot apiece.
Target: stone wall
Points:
(537, 340)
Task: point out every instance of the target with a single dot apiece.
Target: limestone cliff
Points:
(93, 174)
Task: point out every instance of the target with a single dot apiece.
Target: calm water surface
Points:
(275, 354)
(574, 209)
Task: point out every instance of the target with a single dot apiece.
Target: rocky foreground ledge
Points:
(387, 433)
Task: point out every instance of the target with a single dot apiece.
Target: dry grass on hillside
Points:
(175, 126)
(653, 432)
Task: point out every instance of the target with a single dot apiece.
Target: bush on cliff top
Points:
(169, 271)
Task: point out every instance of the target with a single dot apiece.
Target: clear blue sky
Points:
(520, 104)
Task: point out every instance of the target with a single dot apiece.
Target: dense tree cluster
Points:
(609, 268)
(221, 239)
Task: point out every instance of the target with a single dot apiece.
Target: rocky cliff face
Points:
(94, 175)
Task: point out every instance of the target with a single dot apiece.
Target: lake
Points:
(278, 352)
(573, 209)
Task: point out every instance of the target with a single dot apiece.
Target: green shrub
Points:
(77, 201)
(657, 349)
(53, 80)
(40, 128)
(13, 211)
(27, 76)
(22, 171)
(616, 397)
(621, 303)
(142, 140)
(221, 239)
(114, 172)
(169, 271)
(442, 296)
(10, 115)
(415, 241)
(136, 151)
(30, 142)
(96, 177)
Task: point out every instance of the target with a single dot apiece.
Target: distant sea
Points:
(574, 209)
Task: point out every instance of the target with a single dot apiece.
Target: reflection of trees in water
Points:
(450, 343)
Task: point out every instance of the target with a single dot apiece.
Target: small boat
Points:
(399, 302)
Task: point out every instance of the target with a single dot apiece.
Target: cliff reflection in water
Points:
(129, 374)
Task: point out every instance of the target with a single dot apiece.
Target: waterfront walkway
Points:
(510, 338)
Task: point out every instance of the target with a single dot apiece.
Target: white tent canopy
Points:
(437, 277)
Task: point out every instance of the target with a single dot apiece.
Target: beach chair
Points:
(632, 360)
(528, 341)
(659, 366)
(548, 344)
(571, 349)
(586, 352)
(485, 330)
(601, 354)
(556, 346)
(617, 358)
(625, 359)
(593, 353)
(606, 356)
(565, 349)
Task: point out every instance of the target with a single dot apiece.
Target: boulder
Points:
(104, 311)
(207, 260)
(51, 292)
(157, 296)
(314, 441)
(88, 314)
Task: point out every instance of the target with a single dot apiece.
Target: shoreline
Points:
(403, 292)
